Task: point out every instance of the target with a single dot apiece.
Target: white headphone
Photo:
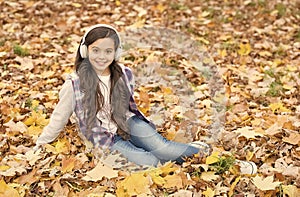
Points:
(83, 48)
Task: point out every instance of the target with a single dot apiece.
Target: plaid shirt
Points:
(102, 137)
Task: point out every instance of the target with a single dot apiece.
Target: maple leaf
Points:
(290, 190)
(172, 181)
(19, 126)
(208, 192)
(245, 49)
(209, 176)
(278, 107)
(213, 158)
(6, 190)
(294, 138)
(62, 145)
(135, 184)
(265, 184)
(68, 164)
(247, 132)
(33, 156)
(101, 170)
(29, 178)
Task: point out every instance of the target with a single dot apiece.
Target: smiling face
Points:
(101, 54)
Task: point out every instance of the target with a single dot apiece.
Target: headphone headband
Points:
(83, 48)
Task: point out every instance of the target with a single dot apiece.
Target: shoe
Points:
(205, 148)
(246, 167)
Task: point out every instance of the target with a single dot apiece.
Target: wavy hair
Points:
(93, 100)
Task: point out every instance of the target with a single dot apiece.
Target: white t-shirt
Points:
(105, 114)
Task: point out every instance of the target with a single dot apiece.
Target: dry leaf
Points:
(213, 158)
(265, 184)
(209, 176)
(101, 170)
(209, 192)
(248, 132)
(6, 190)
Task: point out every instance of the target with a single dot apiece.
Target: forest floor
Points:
(223, 72)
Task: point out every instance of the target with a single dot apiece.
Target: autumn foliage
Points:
(225, 72)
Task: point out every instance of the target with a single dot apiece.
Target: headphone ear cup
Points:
(83, 51)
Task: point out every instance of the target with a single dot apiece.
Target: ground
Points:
(224, 72)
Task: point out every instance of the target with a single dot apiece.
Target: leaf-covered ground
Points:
(225, 72)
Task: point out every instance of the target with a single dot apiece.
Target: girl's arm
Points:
(60, 115)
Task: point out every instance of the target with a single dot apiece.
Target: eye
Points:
(95, 50)
(109, 51)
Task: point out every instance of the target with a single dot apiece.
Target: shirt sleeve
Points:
(60, 115)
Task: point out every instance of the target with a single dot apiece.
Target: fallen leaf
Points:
(173, 181)
(265, 184)
(133, 185)
(213, 158)
(290, 190)
(101, 170)
(294, 138)
(209, 176)
(231, 191)
(248, 132)
(33, 156)
(208, 192)
(68, 164)
(6, 190)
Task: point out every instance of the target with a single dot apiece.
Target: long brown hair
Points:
(93, 99)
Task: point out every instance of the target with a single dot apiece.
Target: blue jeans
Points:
(147, 147)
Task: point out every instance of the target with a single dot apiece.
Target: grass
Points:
(281, 8)
(275, 89)
(223, 165)
(19, 50)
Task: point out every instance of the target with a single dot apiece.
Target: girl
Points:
(100, 93)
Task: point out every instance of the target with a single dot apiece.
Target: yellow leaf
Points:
(265, 53)
(249, 155)
(62, 146)
(118, 3)
(291, 190)
(292, 68)
(168, 167)
(265, 184)
(6, 190)
(160, 7)
(222, 53)
(208, 192)
(231, 191)
(29, 121)
(278, 107)
(209, 176)
(135, 184)
(4, 167)
(213, 158)
(34, 130)
(245, 49)
(34, 104)
(157, 179)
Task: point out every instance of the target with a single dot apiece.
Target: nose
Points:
(101, 55)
